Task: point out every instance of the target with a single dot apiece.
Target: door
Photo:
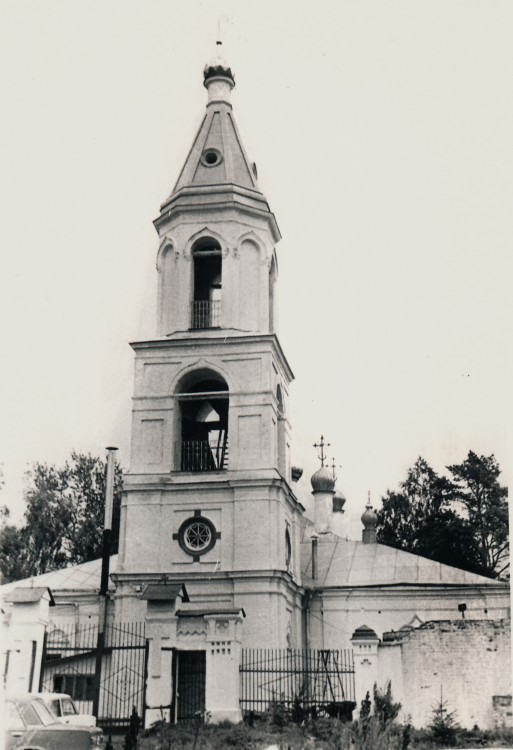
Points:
(190, 684)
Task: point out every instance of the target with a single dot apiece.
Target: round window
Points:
(197, 535)
(211, 157)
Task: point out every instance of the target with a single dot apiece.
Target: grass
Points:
(321, 734)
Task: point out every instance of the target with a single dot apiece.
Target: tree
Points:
(63, 520)
(486, 507)
(443, 728)
(12, 549)
(425, 517)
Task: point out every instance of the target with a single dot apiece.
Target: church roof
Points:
(341, 562)
(82, 577)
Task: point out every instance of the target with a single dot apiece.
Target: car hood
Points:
(80, 720)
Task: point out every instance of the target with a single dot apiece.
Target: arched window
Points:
(272, 282)
(279, 399)
(204, 401)
(281, 433)
(206, 302)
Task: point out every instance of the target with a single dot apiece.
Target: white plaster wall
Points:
(468, 662)
(386, 609)
(24, 642)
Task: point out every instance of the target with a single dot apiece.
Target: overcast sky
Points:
(382, 131)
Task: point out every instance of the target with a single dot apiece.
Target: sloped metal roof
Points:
(341, 562)
(165, 592)
(82, 577)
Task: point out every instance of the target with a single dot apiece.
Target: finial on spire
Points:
(322, 445)
(217, 75)
(368, 500)
(219, 33)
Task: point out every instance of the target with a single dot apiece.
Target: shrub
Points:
(384, 707)
(374, 734)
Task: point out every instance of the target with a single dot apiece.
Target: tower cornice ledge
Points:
(217, 198)
(225, 342)
(219, 481)
(209, 189)
(263, 575)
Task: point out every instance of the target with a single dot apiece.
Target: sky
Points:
(382, 134)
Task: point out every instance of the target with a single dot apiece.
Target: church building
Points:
(216, 555)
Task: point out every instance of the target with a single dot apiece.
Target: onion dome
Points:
(339, 501)
(217, 68)
(322, 480)
(369, 517)
(370, 521)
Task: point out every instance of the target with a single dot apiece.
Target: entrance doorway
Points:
(189, 670)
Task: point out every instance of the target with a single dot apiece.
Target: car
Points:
(65, 709)
(30, 724)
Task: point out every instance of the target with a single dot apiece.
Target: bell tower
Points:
(208, 501)
(222, 275)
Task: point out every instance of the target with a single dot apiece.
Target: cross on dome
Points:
(334, 466)
(322, 445)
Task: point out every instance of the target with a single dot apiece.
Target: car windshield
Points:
(29, 715)
(43, 712)
(14, 720)
(68, 707)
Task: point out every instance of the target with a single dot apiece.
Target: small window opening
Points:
(211, 157)
(204, 418)
(206, 305)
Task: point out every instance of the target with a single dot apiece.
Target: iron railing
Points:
(200, 455)
(206, 314)
(299, 681)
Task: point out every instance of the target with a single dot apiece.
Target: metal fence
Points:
(204, 455)
(206, 314)
(297, 681)
(69, 667)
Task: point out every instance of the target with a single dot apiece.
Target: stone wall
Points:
(468, 662)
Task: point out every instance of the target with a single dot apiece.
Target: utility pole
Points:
(104, 584)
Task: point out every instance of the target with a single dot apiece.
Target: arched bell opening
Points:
(204, 405)
(207, 284)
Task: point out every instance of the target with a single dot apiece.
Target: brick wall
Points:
(468, 660)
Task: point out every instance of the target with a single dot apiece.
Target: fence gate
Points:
(189, 670)
(301, 681)
(69, 667)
